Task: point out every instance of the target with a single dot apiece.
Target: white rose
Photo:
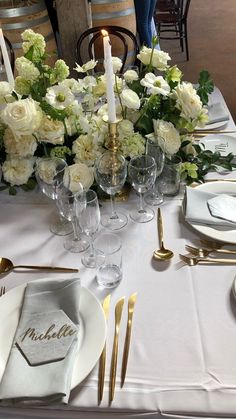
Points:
(116, 64)
(130, 99)
(51, 131)
(131, 75)
(17, 171)
(159, 58)
(23, 116)
(78, 174)
(46, 170)
(167, 136)
(22, 146)
(187, 101)
(86, 150)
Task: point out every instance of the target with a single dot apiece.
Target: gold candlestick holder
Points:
(112, 142)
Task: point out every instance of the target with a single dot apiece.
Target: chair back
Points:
(90, 44)
(11, 53)
(185, 8)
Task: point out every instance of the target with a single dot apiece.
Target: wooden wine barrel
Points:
(16, 16)
(117, 13)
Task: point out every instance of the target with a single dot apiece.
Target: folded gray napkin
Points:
(217, 113)
(54, 302)
(203, 207)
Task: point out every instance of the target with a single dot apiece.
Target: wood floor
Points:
(212, 46)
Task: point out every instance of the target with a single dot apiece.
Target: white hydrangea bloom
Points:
(133, 145)
(26, 69)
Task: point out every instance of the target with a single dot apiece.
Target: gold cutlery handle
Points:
(216, 261)
(47, 268)
(126, 351)
(113, 368)
(101, 374)
(160, 227)
(225, 251)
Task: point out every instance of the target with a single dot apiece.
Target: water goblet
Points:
(154, 196)
(110, 174)
(71, 204)
(49, 173)
(89, 221)
(142, 174)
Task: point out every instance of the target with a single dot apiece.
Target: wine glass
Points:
(71, 204)
(49, 173)
(110, 174)
(89, 221)
(154, 196)
(142, 174)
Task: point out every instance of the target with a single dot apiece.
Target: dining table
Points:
(182, 361)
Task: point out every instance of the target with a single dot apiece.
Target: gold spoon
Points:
(6, 265)
(162, 253)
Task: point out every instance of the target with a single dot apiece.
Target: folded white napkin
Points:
(48, 382)
(217, 113)
(203, 207)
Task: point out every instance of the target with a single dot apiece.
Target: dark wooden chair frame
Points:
(174, 20)
(112, 30)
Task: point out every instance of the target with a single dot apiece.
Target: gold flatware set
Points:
(162, 253)
(102, 362)
(199, 255)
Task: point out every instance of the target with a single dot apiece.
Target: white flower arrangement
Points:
(49, 114)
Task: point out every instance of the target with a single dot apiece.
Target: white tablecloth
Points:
(182, 359)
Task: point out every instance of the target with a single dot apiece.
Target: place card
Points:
(46, 337)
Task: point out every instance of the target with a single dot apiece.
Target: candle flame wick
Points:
(104, 33)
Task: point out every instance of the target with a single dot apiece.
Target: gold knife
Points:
(118, 313)
(102, 361)
(131, 303)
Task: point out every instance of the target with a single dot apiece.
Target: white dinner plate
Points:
(220, 187)
(214, 125)
(223, 143)
(91, 338)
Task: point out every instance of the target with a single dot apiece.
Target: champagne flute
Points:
(89, 221)
(154, 196)
(142, 174)
(110, 174)
(49, 174)
(71, 205)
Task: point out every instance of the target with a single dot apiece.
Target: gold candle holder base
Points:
(112, 142)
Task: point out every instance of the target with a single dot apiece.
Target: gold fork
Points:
(192, 261)
(2, 291)
(201, 251)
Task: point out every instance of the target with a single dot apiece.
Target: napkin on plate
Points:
(203, 207)
(47, 382)
(217, 113)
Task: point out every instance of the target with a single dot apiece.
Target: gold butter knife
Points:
(131, 303)
(102, 361)
(118, 314)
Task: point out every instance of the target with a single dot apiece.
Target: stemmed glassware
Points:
(49, 173)
(142, 174)
(154, 196)
(71, 205)
(89, 220)
(110, 174)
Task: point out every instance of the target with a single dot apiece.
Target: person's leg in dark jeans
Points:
(144, 12)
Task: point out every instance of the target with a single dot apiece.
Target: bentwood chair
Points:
(124, 45)
(171, 18)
